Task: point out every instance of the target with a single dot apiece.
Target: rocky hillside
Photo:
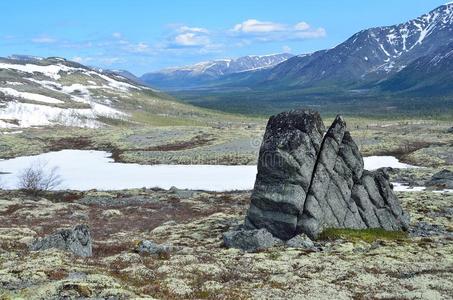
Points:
(54, 91)
(209, 71)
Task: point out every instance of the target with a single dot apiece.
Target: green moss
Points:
(368, 235)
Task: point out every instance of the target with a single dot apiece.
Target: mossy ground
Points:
(367, 235)
(369, 264)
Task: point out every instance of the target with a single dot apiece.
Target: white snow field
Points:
(85, 170)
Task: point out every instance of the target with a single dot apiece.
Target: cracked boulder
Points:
(308, 182)
(76, 240)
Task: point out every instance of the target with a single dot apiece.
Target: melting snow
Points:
(29, 115)
(49, 71)
(84, 170)
(376, 162)
(30, 96)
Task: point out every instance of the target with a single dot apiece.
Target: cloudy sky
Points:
(146, 35)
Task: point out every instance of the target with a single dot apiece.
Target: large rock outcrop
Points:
(307, 182)
(286, 160)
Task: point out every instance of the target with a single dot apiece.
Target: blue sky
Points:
(142, 36)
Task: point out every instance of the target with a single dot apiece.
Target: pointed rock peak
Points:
(339, 121)
(337, 129)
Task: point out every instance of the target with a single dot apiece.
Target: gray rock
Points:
(76, 240)
(150, 247)
(307, 183)
(250, 240)
(424, 229)
(442, 179)
(329, 202)
(286, 160)
(300, 241)
(182, 193)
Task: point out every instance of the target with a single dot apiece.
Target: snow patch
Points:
(30, 96)
(51, 71)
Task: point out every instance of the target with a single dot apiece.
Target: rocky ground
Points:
(417, 266)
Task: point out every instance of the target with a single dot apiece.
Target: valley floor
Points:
(417, 267)
(231, 142)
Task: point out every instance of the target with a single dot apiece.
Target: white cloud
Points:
(193, 29)
(301, 26)
(43, 40)
(117, 35)
(191, 39)
(186, 36)
(255, 26)
(311, 34)
(286, 49)
(265, 31)
(140, 47)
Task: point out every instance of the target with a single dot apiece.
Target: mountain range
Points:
(398, 65)
(205, 73)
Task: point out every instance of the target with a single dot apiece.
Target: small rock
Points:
(76, 240)
(442, 179)
(110, 213)
(182, 193)
(300, 241)
(250, 240)
(80, 215)
(170, 223)
(424, 229)
(150, 247)
(450, 130)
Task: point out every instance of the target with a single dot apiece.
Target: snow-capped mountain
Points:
(430, 75)
(53, 91)
(410, 60)
(204, 72)
(370, 54)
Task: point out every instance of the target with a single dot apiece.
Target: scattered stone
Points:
(308, 182)
(150, 247)
(250, 240)
(76, 240)
(442, 180)
(424, 229)
(182, 193)
(110, 213)
(301, 241)
(80, 215)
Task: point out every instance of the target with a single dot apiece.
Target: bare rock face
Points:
(307, 182)
(286, 160)
(76, 240)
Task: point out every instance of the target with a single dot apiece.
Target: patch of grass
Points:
(368, 235)
(159, 120)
